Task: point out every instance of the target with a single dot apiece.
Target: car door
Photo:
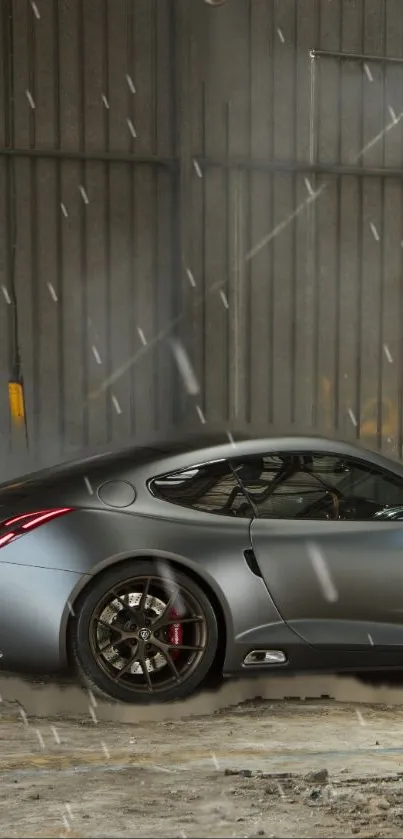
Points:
(332, 564)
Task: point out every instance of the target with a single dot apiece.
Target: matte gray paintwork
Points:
(365, 563)
(32, 606)
(213, 547)
(45, 570)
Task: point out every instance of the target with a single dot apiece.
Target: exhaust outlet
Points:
(256, 657)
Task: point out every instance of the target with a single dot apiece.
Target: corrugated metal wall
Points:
(232, 176)
(87, 112)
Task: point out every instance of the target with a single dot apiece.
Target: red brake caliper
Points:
(175, 633)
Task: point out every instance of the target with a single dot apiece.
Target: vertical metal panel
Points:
(343, 391)
(261, 219)
(217, 258)
(71, 139)
(97, 105)
(284, 202)
(121, 139)
(4, 318)
(190, 43)
(238, 142)
(165, 226)
(325, 212)
(392, 328)
(374, 116)
(5, 296)
(305, 137)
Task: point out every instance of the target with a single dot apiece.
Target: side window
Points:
(279, 488)
(210, 488)
(364, 492)
(318, 486)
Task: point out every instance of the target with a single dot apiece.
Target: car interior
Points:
(287, 486)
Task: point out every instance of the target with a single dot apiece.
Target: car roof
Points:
(192, 447)
(196, 449)
(140, 452)
(244, 446)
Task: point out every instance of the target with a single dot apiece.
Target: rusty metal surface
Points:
(230, 176)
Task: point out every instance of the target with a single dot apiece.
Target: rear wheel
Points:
(144, 633)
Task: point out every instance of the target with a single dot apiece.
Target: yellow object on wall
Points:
(369, 413)
(16, 402)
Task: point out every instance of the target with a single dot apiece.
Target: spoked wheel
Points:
(145, 633)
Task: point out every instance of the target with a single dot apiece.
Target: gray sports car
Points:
(151, 570)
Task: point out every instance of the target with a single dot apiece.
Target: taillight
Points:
(28, 521)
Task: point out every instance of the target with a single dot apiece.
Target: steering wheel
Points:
(320, 503)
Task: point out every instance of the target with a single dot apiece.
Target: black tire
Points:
(199, 627)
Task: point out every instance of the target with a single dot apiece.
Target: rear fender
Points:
(178, 561)
(87, 542)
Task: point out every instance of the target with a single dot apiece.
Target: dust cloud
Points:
(52, 699)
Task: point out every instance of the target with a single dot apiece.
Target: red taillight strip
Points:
(34, 520)
(51, 514)
(6, 538)
(9, 522)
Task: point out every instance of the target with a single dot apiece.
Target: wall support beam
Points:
(93, 156)
(297, 167)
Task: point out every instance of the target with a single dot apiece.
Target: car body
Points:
(284, 553)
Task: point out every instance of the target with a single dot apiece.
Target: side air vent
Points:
(252, 562)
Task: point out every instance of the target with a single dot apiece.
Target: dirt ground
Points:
(220, 765)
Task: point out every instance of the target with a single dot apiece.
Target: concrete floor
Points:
(218, 765)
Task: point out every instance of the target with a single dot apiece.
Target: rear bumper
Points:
(33, 617)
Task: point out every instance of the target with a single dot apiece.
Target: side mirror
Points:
(341, 468)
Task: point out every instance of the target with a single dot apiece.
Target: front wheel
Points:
(144, 632)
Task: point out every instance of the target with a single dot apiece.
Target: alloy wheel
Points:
(148, 634)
